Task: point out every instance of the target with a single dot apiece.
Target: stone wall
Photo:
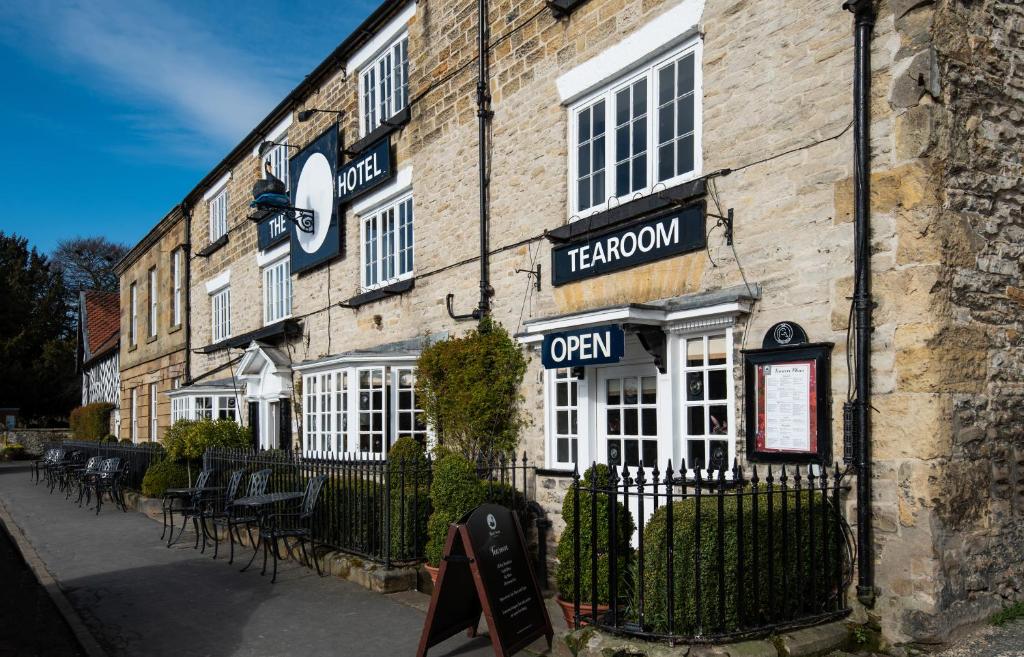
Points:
(34, 440)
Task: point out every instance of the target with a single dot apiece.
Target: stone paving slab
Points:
(138, 597)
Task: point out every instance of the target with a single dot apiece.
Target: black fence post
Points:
(576, 546)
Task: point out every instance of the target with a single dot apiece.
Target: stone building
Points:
(624, 134)
(154, 327)
(99, 323)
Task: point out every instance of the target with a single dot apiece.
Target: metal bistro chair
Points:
(191, 507)
(108, 480)
(48, 465)
(85, 479)
(296, 524)
(219, 510)
(257, 486)
(61, 478)
(42, 462)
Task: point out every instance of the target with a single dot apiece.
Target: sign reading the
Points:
(485, 571)
(598, 345)
(647, 241)
(312, 176)
(272, 230)
(368, 170)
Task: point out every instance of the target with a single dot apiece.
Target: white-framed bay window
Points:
(637, 134)
(277, 291)
(203, 405)
(387, 239)
(384, 85)
(361, 409)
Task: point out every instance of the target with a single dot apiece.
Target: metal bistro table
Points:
(182, 494)
(260, 504)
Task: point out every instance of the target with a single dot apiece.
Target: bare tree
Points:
(87, 263)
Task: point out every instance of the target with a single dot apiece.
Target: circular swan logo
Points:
(315, 192)
(783, 334)
(491, 522)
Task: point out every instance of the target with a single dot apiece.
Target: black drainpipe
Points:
(483, 114)
(864, 20)
(187, 283)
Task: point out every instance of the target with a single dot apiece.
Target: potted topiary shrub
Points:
(455, 491)
(600, 476)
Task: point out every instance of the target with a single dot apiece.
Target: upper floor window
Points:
(176, 276)
(387, 239)
(133, 302)
(220, 314)
(277, 291)
(277, 156)
(638, 135)
(152, 302)
(384, 85)
(219, 215)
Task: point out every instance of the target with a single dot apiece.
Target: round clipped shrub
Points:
(600, 476)
(124, 441)
(454, 492)
(409, 477)
(163, 474)
(189, 439)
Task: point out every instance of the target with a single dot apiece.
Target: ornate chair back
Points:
(312, 495)
(234, 483)
(258, 482)
(93, 464)
(204, 478)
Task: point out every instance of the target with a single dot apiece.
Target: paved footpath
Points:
(137, 597)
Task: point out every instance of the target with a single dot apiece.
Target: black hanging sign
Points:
(669, 235)
(365, 171)
(312, 174)
(272, 231)
(597, 345)
(485, 571)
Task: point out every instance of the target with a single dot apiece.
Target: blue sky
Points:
(115, 110)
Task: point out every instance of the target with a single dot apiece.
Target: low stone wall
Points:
(35, 440)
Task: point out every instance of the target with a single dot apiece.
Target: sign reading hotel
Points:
(312, 173)
(367, 170)
(654, 239)
(598, 345)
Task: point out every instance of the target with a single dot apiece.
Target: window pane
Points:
(684, 151)
(640, 135)
(694, 386)
(649, 422)
(630, 421)
(685, 67)
(622, 178)
(562, 394)
(666, 85)
(718, 417)
(695, 455)
(694, 352)
(599, 193)
(562, 454)
(613, 426)
(629, 390)
(632, 453)
(613, 392)
(583, 194)
(650, 453)
(639, 172)
(719, 455)
(583, 126)
(649, 390)
(640, 97)
(716, 350)
(695, 421)
(622, 107)
(685, 115)
(716, 384)
(583, 160)
(598, 158)
(666, 124)
(614, 452)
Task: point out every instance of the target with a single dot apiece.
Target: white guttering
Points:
(359, 359)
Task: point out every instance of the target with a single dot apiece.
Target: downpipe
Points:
(864, 20)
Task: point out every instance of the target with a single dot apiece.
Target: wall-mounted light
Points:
(267, 145)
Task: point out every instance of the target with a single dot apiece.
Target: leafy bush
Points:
(110, 439)
(684, 515)
(124, 441)
(91, 422)
(163, 474)
(469, 390)
(189, 439)
(454, 491)
(409, 478)
(13, 452)
(624, 526)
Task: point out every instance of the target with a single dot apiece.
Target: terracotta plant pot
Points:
(432, 571)
(585, 610)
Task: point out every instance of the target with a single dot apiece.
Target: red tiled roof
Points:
(102, 320)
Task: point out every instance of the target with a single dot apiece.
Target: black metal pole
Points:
(483, 113)
(864, 19)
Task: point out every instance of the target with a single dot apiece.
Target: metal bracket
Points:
(451, 313)
(726, 222)
(303, 219)
(534, 274)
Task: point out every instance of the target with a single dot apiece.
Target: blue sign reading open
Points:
(597, 345)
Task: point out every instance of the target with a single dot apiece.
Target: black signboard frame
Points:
(332, 246)
(454, 608)
(381, 152)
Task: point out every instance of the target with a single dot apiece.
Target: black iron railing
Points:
(372, 508)
(713, 557)
(135, 459)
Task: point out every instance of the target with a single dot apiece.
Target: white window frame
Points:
(399, 253)
(133, 303)
(153, 300)
(374, 110)
(153, 424)
(552, 380)
(220, 314)
(204, 405)
(277, 291)
(134, 425)
(706, 436)
(278, 158)
(421, 435)
(648, 70)
(218, 206)
(176, 287)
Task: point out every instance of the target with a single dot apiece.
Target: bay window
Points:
(204, 406)
(637, 135)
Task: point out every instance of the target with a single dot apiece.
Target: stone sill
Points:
(213, 246)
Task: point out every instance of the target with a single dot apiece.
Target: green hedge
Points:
(189, 439)
(684, 517)
(13, 453)
(454, 491)
(91, 422)
(163, 474)
(410, 498)
(624, 526)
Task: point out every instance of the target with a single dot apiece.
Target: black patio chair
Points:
(108, 480)
(47, 465)
(41, 463)
(296, 524)
(62, 470)
(218, 510)
(85, 479)
(191, 507)
(257, 486)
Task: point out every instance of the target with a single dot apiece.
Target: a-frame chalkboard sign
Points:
(485, 571)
